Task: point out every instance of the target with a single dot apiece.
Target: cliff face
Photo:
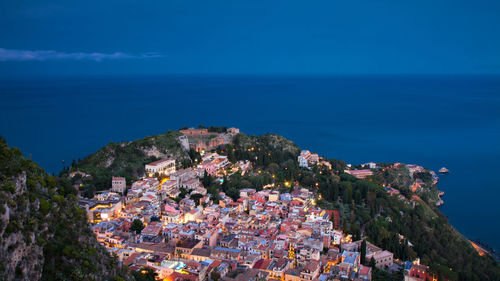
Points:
(44, 235)
(20, 256)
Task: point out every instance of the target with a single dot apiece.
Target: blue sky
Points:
(255, 37)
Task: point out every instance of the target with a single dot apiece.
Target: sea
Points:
(434, 121)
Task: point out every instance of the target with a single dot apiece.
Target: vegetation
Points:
(212, 129)
(124, 159)
(363, 252)
(382, 275)
(407, 226)
(391, 222)
(137, 226)
(146, 274)
(46, 226)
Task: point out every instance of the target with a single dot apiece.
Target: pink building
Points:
(360, 174)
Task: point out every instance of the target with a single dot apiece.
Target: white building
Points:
(118, 184)
(233, 131)
(306, 157)
(163, 166)
(382, 259)
(370, 165)
(337, 237)
(190, 184)
(274, 196)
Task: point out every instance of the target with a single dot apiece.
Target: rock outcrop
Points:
(44, 234)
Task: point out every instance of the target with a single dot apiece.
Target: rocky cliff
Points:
(44, 235)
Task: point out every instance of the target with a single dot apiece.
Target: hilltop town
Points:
(183, 222)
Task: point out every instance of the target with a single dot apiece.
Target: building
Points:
(274, 196)
(222, 253)
(192, 215)
(190, 184)
(118, 184)
(307, 158)
(212, 165)
(215, 142)
(349, 262)
(152, 230)
(277, 268)
(184, 248)
(370, 165)
(233, 131)
(164, 166)
(303, 157)
(200, 146)
(418, 272)
(360, 174)
(310, 271)
(365, 272)
(200, 254)
(146, 183)
(194, 132)
(103, 210)
(383, 259)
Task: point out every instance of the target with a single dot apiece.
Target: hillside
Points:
(125, 159)
(44, 235)
(367, 210)
(406, 225)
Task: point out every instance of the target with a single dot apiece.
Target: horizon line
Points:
(244, 75)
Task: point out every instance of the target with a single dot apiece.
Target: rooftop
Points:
(187, 243)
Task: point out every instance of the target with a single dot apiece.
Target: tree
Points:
(179, 254)
(196, 198)
(145, 274)
(358, 197)
(194, 155)
(183, 193)
(207, 179)
(186, 163)
(44, 206)
(335, 192)
(372, 263)
(224, 185)
(215, 276)
(137, 226)
(347, 198)
(363, 252)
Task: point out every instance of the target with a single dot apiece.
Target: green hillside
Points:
(125, 159)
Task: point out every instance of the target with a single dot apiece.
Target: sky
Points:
(257, 37)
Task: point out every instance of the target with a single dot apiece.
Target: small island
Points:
(444, 170)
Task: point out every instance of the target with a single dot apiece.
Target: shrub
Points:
(44, 206)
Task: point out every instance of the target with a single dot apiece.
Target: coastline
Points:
(338, 139)
(480, 247)
(480, 250)
(440, 202)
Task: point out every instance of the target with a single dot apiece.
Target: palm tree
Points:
(179, 253)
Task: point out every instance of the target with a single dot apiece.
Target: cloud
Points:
(45, 55)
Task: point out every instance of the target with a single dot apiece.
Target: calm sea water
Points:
(432, 121)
